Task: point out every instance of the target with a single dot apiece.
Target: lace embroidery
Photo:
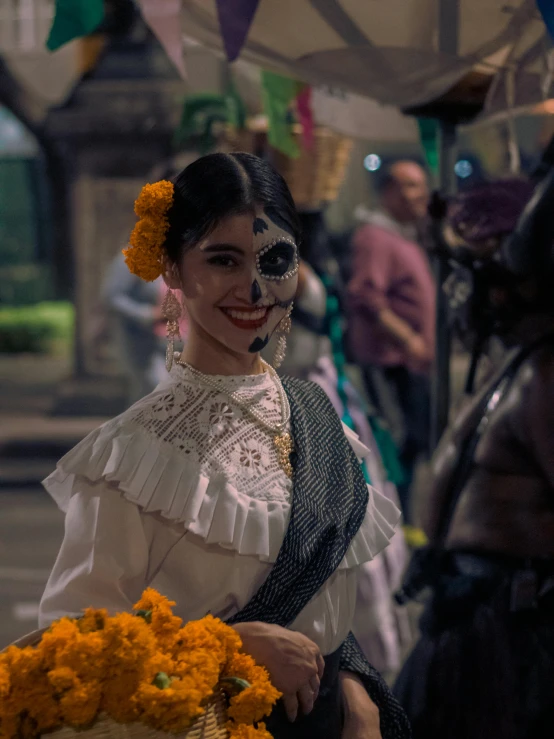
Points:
(217, 435)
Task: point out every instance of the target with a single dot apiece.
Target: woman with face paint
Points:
(234, 492)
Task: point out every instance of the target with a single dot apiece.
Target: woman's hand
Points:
(294, 662)
(361, 715)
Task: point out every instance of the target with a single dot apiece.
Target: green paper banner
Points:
(235, 106)
(429, 135)
(203, 113)
(278, 94)
(74, 19)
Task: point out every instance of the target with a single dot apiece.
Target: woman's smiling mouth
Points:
(248, 318)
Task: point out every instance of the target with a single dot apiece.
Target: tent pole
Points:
(440, 398)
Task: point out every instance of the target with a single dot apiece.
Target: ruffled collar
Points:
(166, 477)
(230, 383)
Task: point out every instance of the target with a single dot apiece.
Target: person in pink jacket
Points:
(392, 307)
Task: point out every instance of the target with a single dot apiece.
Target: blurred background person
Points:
(391, 297)
(483, 665)
(134, 311)
(308, 340)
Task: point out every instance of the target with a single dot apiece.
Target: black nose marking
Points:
(255, 292)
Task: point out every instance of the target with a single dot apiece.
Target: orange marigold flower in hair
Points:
(145, 255)
(155, 200)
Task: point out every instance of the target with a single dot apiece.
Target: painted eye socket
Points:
(277, 261)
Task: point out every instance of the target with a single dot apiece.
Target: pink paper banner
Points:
(305, 116)
(164, 18)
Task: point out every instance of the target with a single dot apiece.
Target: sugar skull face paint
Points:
(277, 260)
(239, 282)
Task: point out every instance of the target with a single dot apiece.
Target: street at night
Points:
(277, 335)
(31, 529)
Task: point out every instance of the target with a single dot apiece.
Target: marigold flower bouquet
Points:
(134, 675)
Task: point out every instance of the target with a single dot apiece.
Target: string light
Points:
(372, 162)
(463, 169)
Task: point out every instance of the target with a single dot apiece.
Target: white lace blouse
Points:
(184, 492)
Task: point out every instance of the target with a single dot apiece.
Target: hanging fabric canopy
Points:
(386, 51)
(344, 112)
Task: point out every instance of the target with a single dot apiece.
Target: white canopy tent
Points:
(405, 53)
(345, 112)
(481, 55)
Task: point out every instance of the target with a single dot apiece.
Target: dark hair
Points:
(385, 178)
(220, 185)
(171, 168)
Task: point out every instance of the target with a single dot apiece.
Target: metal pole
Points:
(449, 22)
(440, 398)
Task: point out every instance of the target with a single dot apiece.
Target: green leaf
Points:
(146, 615)
(236, 684)
(162, 681)
(74, 19)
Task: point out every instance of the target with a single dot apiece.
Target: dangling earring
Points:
(171, 312)
(281, 348)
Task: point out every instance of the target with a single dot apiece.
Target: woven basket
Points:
(211, 725)
(315, 177)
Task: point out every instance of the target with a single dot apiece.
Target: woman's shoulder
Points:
(163, 455)
(306, 393)
(299, 387)
(116, 450)
(310, 396)
(157, 405)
